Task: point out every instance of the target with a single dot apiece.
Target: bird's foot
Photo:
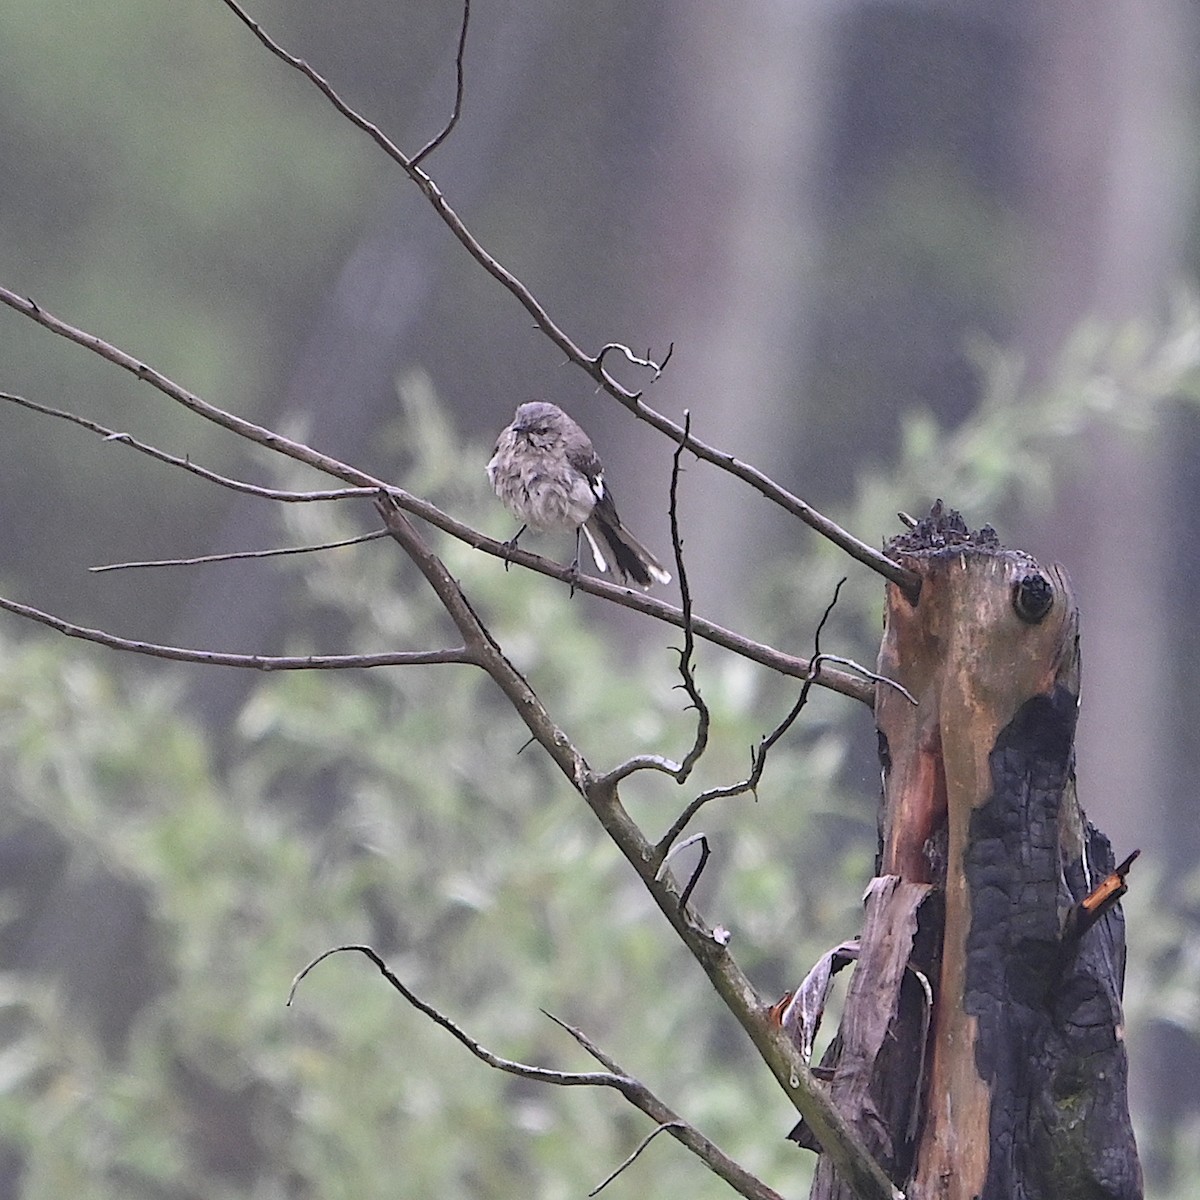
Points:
(511, 544)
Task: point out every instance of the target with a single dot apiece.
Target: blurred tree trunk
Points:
(1109, 198)
(736, 200)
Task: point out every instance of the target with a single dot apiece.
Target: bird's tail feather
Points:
(612, 544)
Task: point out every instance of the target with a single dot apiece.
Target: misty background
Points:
(838, 214)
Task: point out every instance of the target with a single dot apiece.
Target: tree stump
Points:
(980, 1051)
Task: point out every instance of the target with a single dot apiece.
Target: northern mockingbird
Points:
(547, 474)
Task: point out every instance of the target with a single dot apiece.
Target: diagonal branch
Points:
(636, 1092)
(838, 1139)
(362, 483)
(593, 365)
(184, 464)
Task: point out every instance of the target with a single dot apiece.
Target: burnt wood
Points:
(981, 1049)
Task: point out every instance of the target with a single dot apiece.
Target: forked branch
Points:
(362, 484)
(636, 1092)
(710, 949)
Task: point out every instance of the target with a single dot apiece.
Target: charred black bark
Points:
(1050, 1026)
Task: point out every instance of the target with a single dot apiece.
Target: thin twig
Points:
(254, 662)
(819, 658)
(647, 362)
(700, 742)
(481, 1052)
(632, 1158)
(593, 365)
(697, 871)
(600, 1055)
(184, 464)
(373, 131)
(758, 755)
(636, 1092)
(438, 139)
(737, 1177)
(644, 762)
(677, 848)
(235, 555)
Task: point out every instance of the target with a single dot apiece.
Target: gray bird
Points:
(546, 472)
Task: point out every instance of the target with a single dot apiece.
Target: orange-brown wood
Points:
(972, 662)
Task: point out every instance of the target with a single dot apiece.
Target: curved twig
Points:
(758, 755)
(700, 741)
(439, 138)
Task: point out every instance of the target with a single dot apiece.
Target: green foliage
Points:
(397, 808)
(1007, 458)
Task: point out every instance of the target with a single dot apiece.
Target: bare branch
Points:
(185, 464)
(634, 1156)
(363, 483)
(700, 742)
(613, 1077)
(235, 555)
(438, 139)
(525, 1071)
(839, 1140)
(373, 131)
(758, 756)
(255, 662)
(593, 365)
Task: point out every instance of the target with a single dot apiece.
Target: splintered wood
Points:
(980, 1051)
